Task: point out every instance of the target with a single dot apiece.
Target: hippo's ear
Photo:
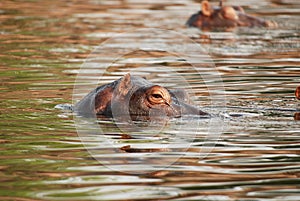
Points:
(124, 85)
(206, 8)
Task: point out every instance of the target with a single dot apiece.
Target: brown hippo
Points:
(225, 17)
(297, 93)
(136, 97)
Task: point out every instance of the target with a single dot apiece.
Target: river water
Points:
(54, 52)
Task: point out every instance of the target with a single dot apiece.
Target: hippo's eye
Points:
(228, 12)
(157, 96)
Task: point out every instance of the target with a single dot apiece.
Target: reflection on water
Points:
(43, 45)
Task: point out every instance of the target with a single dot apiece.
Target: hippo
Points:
(138, 98)
(297, 93)
(224, 17)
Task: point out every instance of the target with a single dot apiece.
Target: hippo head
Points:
(140, 99)
(225, 17)
(137, 98)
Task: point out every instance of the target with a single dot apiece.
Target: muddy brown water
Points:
(49, 154)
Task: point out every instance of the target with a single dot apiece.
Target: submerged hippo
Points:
(225, 17)
(136, 97)
(297, 93)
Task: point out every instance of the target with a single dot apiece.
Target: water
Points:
(254, 156)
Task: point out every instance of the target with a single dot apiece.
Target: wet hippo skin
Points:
(222, 16)
(136, 97)
(297, 93)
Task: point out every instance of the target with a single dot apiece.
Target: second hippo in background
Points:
(136, 98)
(224, 17)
